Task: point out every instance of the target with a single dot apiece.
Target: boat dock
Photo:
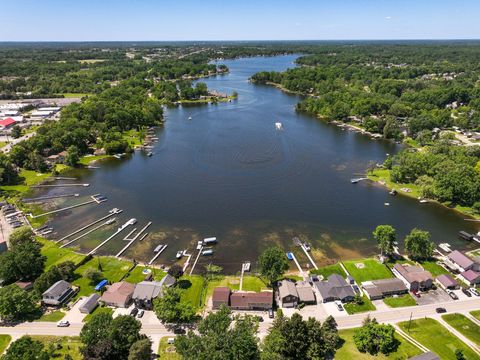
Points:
(111, 213)
(46, 198)
(132, 240)
(83, 235)
(119, 230)
(63, 209)
(308, 255)
(58, 185)
(159, 251)
(298, 265)
(196, 259)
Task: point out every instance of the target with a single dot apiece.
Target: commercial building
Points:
(379, 289)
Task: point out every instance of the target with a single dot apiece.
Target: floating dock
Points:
(157, 254)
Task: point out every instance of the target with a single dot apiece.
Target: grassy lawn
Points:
(400, 301)
(431, 334)
(2, 144)
(56, 256)
(434, 268)
(85, 160)
(4, 341)
(74, 95)
(475, 314)
(326, 271)
(349, 350)
(250, 283)
(372, 270)
(98, 310)
(464, 326)
(68, 345)
(193, 286)
(134, 137)
(52, 317)
(30, 178)
(113, 270)
(353, 308)
(167, 351)
(137, 276)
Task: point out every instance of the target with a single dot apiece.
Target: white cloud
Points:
(388, 17)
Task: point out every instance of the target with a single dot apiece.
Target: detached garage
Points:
(89, 304)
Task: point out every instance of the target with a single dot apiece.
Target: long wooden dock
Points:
(196, 259)
(131, 241)
(58, 185)
(123, 227)
(298, 265)
(46, 198)
(63, 209)
(83, 235)
(309, 257)
(157, 255)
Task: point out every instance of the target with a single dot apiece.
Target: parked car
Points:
(134, 312)
(452, 295)
(339, 305)
(140, 314)
(441, 310)
(474, 292)
(416, 293)
(356, 289)
(466, 292)
(179, 331)
(63, 323)
(271, 314)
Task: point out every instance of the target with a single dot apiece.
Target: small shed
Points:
(89, 304)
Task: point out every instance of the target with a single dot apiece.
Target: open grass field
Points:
(353, 308)
(400, 301)
(349, 350)
(134, 137)
(75, 95)
(193, 286)
(431, 334)
(68, 346)
(250, 283)
(464, 326)
(56, 256)
(4, 341)
(52, 317)
(98, 310)
(365, 270)
(326, 271)
(85, 160)
(112, 269)
(137, 276)
(167, 351)
(434, 268)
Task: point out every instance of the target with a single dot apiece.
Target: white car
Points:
(339, 305)
(474, 291)
(63, 323)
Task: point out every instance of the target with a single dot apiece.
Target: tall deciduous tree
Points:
(386, 237)
(16, 304)
(26, 348)
(374, 338)
(273, 264)
(171, 310)
(418, 244)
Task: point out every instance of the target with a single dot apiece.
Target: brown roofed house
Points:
(118, 294)
(221, 296)
(378, 289)
(447, 282)
(414, 277)
(241, 300)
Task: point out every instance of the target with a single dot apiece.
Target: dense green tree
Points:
(94, 275)
(176, 271)
(374, 338)
(170, 309)
(273, 264)
(16, 304)
(141, 350)
(386, 237)
(26, 348)
(63, 271)
(73, 156)
(418, 244)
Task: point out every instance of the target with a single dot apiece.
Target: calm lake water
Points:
(229, 173)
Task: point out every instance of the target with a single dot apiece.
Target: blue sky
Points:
(130, 20)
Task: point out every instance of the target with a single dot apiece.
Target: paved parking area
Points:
(433, 297)
(74, 316)
(331, 309)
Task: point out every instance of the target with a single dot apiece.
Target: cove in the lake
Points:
(228, 172)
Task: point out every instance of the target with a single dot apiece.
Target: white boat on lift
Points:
(278, 126)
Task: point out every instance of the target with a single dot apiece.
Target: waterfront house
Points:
(221, 296)
(414, 277)
(89, 304)
(287, 295)
(168, 281)
(470, 277)
(335, 288)
(145, 292)
(118, 294)
(446, 282)
(458, 261)
(305, 293)
(58, 293)
(379, 289)
(242, 300)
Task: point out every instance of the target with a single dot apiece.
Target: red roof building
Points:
(6, 123)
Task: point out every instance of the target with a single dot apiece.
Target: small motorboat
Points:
(110, 221)
(278, 126)
(306, 246)
(386, 204)
(423, 201)
(179, 254)
(207, 252)
(199, 245)
(393, 192)
(149, 154)
(189, 118)
(289, 256)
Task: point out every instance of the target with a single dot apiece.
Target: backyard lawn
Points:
(69, 346)
(434, 268)
(349, 350)
(112, 269)
(369, 269)
(400, 301)
(250, 283)
(52, 317)
(4, 341)
(431, 334)
(56, 256)
(193, 286)
(136, 275)
(167, 351)
(464, 326)
(353, 308)
(326, 271)
(85, 160)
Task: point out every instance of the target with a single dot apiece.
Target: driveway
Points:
(74, 316)
(433, 297)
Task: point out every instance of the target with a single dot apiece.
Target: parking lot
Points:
(433, 297)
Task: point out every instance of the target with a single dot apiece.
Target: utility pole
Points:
(410, 322)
